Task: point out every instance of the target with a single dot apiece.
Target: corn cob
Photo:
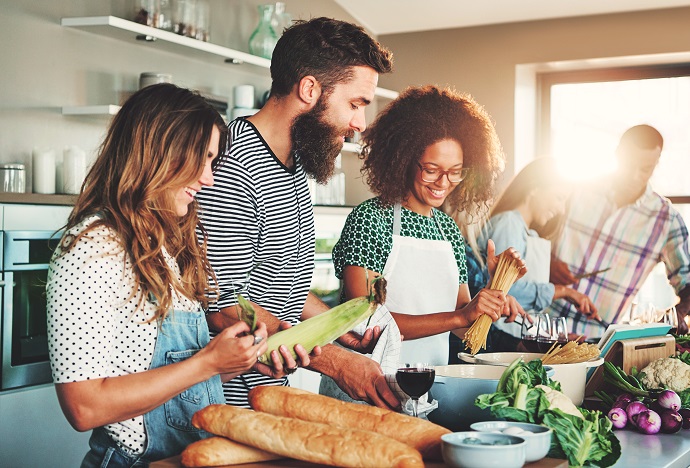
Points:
(246, 312)
(326, 327)
(321, 329)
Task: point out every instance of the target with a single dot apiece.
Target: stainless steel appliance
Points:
(24, 350)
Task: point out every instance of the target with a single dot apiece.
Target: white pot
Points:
(572, 377)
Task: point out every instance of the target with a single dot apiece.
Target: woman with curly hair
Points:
(128, 284)
(428, 146)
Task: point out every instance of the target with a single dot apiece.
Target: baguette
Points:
(312, 442)
(219, 451)
(421, 434)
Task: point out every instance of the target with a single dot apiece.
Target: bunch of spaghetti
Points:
(506, 274)
(570, 353)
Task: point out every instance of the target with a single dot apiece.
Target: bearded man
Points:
(258, 214)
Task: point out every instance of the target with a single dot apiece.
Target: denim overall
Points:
(168, 427)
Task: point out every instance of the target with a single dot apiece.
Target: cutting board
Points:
(174, 462)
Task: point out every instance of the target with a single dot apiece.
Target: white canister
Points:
(243, 96)
(150, 78)
(43, 170)
(73, 169)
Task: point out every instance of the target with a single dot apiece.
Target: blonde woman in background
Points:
(535, 196)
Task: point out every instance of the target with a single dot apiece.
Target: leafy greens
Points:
(585, 440)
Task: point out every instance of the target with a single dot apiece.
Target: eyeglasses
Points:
(433, 175)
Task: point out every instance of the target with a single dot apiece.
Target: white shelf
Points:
(352, 147)
(107, 109)
(121, 29)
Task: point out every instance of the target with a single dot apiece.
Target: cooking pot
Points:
(456, 387)
(572, 377)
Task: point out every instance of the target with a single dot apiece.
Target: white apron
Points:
(538, 261)
(423, 278)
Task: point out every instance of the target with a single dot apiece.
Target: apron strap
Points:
(397, 215)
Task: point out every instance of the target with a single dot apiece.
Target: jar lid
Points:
(15, 166)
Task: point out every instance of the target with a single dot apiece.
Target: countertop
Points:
(37, 199)
(638, 450)
(174, 462)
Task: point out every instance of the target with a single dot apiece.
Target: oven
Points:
(24, 340)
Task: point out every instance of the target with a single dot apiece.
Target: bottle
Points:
(263, 39)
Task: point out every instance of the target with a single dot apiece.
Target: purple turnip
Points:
(618, 417)
(647, 422)
(671, 421)
(685, 414)
(669, 399)
(634, 408)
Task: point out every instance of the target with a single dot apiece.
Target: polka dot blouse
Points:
(95, 329)
(367, 238)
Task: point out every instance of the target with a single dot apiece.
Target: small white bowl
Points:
(538, 438)
(458, 453)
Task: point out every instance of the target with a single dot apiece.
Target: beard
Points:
(316, 143)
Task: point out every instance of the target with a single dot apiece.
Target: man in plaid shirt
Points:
(621, 224)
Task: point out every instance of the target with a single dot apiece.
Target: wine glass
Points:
(559, 329)
(671, 319)
(415, 380)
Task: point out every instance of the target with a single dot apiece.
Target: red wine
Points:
(415, 382)
(536, 346)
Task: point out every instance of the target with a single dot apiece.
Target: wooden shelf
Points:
(121, 29)
(352, 147)
(37, 199)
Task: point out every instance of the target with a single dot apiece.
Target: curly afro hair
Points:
(418, 118)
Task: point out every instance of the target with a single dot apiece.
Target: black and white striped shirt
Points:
(260, 224)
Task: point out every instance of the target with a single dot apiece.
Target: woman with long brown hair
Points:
(129, 281)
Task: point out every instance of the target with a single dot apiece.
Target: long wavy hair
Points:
(418, 118)
(156, 144)
(541, 173)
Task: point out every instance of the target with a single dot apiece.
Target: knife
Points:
(591, 273)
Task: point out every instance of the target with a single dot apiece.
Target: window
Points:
(583, 114)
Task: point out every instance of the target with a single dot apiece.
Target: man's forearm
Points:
(331, 360)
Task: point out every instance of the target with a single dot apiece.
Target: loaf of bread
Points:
(304, 440)
(421, 434)
(219, 451)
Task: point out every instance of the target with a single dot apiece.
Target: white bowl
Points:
(459, 454)
(538, 439)
(572, 377)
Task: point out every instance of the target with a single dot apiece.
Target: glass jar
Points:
(145, 11)
(263, 39)
(203, 20)
(184, 17)
(12, 178)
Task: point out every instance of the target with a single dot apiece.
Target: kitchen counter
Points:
(659, 450)
(37, 199)
(174, 462)
(638, 451)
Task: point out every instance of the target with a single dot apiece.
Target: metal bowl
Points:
(456, 387)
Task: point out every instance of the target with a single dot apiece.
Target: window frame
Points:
(547, 79)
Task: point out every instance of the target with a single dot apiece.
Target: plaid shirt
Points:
(631, 240)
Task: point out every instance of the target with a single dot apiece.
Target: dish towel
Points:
(387, 354)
